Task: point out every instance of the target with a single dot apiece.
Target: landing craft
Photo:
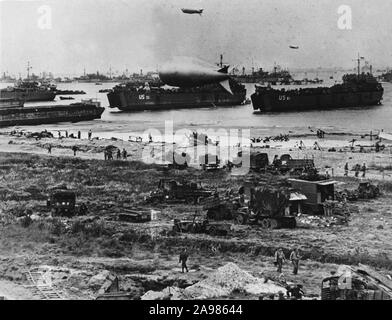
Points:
(192, 11)
(294, 47)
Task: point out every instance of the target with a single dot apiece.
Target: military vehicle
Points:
(269, 207)
(366, 190)
(201, 226)
(171, 191)
(62, 202)
(316, 192)
(134, 215)
(356, 283)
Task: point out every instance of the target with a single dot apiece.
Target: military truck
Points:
(366, 190)
(316, 192)
(171, 191)
(62, 202)
(259, 161)
(295, 166)
(209, 162)
(201, 226)
(220, 208)
(356, 283)
(269, 207)
(135, 215)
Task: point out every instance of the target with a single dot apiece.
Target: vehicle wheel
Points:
(190, 200)
(239, 219)
(273, 223)
(265, 223)
(213, 231)
(176, 229)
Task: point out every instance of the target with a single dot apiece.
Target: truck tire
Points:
(239, 219)
(190, 200)
(265, 223)
(274, 224)
(213, 231)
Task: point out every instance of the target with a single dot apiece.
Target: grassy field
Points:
(106, 187)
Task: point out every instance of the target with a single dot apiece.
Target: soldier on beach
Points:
(118, 154)
(183, 258)
(79, 135)
(295, 257)
(90, 133)
(74, 149)
(124, 154)
(363, 169)
(357, 168)
(279, 259)
(49, 149)
(346, 169)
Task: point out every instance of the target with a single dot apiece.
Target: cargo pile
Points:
(223, 282)
(227, 279)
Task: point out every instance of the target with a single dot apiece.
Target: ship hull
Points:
(133, 101)
(277, 101)
(49, 114)
(29, 95)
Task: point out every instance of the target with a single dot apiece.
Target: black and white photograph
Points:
(210, 152)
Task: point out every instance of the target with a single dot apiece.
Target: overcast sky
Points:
(135, 34)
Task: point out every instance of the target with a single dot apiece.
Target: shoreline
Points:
(333, 155)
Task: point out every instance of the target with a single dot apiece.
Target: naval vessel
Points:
(29, 91)
(355, 91)
(13, 112)
(130, 97)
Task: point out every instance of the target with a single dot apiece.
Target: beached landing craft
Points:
(13, 112)
(355, 91)
(194, 86)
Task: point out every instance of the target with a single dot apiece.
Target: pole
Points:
(359, 64)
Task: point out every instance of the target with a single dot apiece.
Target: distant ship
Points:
(29, 91)
(261, 76)
(356, 90)
(13, 112)
(386, 77)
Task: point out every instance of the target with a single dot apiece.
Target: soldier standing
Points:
(279, 259)
(295, 257)
(363, 169)
(183, 258)
(124, 154)
(346, 169)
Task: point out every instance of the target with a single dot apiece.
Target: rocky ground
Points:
(78, 254)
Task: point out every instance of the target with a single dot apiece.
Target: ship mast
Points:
(28, 70)
(359, 64)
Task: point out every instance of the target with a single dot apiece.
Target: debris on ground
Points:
(320, 221)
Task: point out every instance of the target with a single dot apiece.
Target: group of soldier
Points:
(108, 154)
(357, 168)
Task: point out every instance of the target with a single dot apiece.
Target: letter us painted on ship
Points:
(284, 98)
(144, 97)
